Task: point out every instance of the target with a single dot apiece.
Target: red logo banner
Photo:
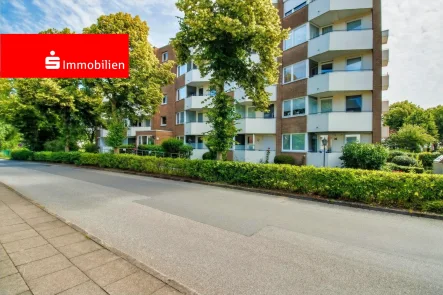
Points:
(64, 56)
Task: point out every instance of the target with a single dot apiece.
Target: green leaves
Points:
(364, 156)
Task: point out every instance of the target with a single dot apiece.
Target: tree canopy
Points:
(219, 36)
(411, 138)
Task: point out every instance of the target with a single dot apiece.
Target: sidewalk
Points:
(41, 255)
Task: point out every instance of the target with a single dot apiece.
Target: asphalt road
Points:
(221, 241)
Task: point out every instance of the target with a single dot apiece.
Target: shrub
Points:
(433, 206)
(91, 148)
(127, 146)
(186, 151)
(151, 147)
(172, 145)
(22, 155)
(209, 156)
(284, 159)
(58, 145)
(395, 153)
(57, 157)
(364, 156)
(404, 161)
(398, 168)
(428, 159)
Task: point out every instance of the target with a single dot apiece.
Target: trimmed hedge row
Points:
(411, 191)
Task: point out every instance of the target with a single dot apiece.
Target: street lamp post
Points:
(324, 142)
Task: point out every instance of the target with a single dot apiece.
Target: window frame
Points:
(290, 142)
(178, 93)
(179, 115)
(291, 37)
(179, 73)
(355, 57)
(165, 101)
(326, 63)
(292, 107)
(161, 121)
(305, 61)
(358, 136)
(355, 20)
(293, 10)
(353, 96)
(322, 28)
(165, 56)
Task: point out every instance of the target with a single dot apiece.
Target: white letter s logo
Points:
(52, 62)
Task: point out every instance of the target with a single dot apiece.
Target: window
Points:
(296, 37)
(326, 67)
(326, 30)
(181, 70)
(353, 64)
(294, 142)
(354, 25)
(350, 138)
(292, 6)
(165, 56)
(295, 72)
(182, 138)
(251, 112)
(163, 121)
(294, 107)
(200, 117)
(180, 118)
(353, 103)
(270, 113)
(165, 99)
(326, 105)
(147, 123)
(145, 139)
(181, 93)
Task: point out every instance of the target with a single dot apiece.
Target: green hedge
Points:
(284, 159)
(428, 159)
(151, 147)
(392, 167)
(401, 190)
(22, 154)
(404, 161)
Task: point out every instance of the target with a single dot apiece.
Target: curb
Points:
(162, 277)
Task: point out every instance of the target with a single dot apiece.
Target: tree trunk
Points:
(116, 150)
(219, 156)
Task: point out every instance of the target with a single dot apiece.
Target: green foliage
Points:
(186, 151)
(172, 145)
(404, 161)
(402, 190)
(9, 136)
(151, 147)
(140, 94)
(22, 155)
(395, 153)
(127, 146)
(433, 206)
(410, 137)
(91, 148)
(209, 156)
(438, 117)
(219, 36)
(425, 119)
(116, 133)
(398, 113)
(58, 145)
(392, 167)
(364, 156)
(428, 159)
(284, 159)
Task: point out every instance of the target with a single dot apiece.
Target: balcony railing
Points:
(335, 30)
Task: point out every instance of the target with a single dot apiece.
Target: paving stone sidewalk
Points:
(41, 255)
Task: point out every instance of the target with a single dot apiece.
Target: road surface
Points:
(222, 241)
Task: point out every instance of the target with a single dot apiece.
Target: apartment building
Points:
(329, 91)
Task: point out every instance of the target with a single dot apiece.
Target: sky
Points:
(415, 42)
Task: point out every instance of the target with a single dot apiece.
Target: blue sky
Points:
(416, 34)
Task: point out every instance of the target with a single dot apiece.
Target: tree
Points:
(411, 138)
(219, 37)
(116, 133)
(438, 118)
(140, 95)
(9, 136)
(398, 113)
(423, 118)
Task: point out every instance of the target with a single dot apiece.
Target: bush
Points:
(433, 206)
(91, 148)
(209, 156)
(284, 159)
(398, 168)
(151, 147)
(172, 145)
(22, 155)
(402, 190)
(186, 151)
(395, 153)
(364, 156)
(127, 146)
(404, 161)
(428, 159)
(58, 145)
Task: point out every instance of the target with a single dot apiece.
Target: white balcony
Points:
(345, 81)
(196, 102)
(196, 128)
(256, 126)
(385, 37)
(326, 160)
(385, 57)
(340, 122)
(132, 131)
(340, 43)
(385, 82)
(253, 156)
(240, 95)
(194, 78)
(326, 12)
